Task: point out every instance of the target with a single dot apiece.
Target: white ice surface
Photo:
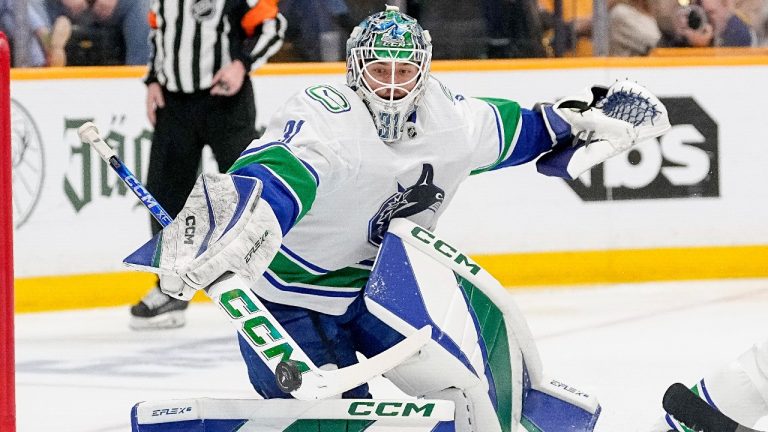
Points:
(82, 371)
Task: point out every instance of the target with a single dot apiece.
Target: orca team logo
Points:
(422, 196)
(683, 163)
(203, 9)
(28, 162)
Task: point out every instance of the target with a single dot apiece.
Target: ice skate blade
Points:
(168, 320)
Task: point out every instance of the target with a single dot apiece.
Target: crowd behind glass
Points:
(115, 32)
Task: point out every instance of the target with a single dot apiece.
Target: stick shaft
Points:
(146, 198)
(229, 292)
(90, 134)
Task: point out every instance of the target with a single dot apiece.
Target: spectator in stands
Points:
(319, 28)
(730, 29)
(706, 23)
(754, 13)
(513, 28)
(667, 12)
(751, 11)
(762, 29)
(36, 40)
(105, 32)
(683, 27)
(633, 28)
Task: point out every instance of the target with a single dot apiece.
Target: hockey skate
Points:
(156, 311)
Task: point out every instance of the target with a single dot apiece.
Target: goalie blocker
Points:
(480, 359)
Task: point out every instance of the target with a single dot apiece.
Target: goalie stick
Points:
(687, 408)
(294, 371)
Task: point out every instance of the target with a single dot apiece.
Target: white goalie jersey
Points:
(334, 185)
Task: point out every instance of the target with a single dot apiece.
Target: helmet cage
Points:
(389, 38)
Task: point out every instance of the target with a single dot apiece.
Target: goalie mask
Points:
(388, 58)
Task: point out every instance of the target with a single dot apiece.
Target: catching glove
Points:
(597, 124)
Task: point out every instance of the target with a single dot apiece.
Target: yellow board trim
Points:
(336, 68)
(51, 293)
(634, 265)
(512, 270)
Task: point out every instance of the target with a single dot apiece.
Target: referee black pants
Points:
(186, 124)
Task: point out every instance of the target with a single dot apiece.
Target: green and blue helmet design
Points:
(389, 38)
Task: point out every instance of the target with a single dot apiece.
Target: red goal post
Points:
(7, 366)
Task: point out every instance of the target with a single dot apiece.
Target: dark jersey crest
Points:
(422, 196)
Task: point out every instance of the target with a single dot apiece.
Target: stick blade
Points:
(324, 384)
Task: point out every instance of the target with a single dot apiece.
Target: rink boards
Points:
(691, 205)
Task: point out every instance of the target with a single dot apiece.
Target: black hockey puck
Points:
(288, 376)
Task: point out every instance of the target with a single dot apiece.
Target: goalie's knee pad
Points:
(481, 350)
(479, 337)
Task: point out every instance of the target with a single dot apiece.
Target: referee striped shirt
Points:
(193, 39)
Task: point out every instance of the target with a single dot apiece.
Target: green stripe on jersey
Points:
(291, 272)
(509, 116)
(285, 165)
(493, 330)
